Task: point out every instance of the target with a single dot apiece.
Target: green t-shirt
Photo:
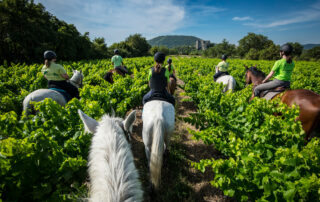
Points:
(223, 66)
(117, 60)
(166, 74)
(283, 70)
(172, 68)
(53, 72)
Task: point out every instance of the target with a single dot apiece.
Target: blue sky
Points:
(281, 21)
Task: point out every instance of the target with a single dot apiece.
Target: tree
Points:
(138, 44)
(311, 54)
(100, 48)
(270, 53)
(253, 54)
(253, 41)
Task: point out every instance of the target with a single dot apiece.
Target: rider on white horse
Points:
(158, 81)
(57, 76)
(222, 68)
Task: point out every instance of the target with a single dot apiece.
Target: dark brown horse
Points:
(307, 100)
(121, 70)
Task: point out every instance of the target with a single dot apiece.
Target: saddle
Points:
(271, 93)
(64, 93)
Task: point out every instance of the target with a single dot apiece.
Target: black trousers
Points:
(153, 95)
(64, 85)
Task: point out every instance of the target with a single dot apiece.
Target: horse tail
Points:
(157, 153)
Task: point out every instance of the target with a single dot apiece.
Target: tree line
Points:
(27, 30)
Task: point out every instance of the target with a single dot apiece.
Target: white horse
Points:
(41, 94)
(112, 172)
(158, 124)
(228, 81)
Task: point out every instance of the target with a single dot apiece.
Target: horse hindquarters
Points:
(309, 103)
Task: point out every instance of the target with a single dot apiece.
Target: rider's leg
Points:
(269, 85)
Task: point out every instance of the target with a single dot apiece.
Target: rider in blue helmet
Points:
(57, 76)
(159, 81)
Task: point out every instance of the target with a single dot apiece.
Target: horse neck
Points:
(256, 80)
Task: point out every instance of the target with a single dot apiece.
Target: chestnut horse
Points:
(121, 70)
(307, 100)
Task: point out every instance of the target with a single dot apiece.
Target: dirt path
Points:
(180, 182)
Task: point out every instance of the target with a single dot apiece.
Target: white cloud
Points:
(242, 18)
(115, 20)
(307, 15)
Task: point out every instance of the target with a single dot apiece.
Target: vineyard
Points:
(263, 157)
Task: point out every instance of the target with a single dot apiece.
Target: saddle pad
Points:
(270, 95)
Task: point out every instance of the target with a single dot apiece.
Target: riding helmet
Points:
(49, 55)
(169, 61)
(224, 57)
(159, 57)
(116, 51)
(286, 48)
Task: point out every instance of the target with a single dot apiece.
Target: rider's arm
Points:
(66, 76)
(268, 77)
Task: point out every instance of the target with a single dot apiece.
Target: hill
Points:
(309, 46)
(173, 41)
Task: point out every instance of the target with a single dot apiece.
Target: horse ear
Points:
(113, 113)
(90, 124)
(129, 121)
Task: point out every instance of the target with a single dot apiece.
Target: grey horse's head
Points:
(77, 78)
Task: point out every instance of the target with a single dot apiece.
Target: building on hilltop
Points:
(202, 45)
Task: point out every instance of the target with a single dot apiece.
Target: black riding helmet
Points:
(159, 57)
(169, 61)
(286, 48)
(49, 55)
(116, 51)
(224, 57)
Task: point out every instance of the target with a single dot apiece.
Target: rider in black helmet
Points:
(221, 68)
(57, 76)
(117, 61)
(171, 69)
(158, 81)
(282, 71)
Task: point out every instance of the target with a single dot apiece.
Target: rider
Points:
(222, 68)
(158, 81)
(171, 70)
(57, 76)
(282, 70)
(117, 62)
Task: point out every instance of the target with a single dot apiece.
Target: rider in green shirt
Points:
(57, 76)
(221, 68)
(117, 62)
(171, 70)
(282, 71)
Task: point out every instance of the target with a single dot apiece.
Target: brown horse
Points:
(121, 70)
(172, 85)
(307, 100)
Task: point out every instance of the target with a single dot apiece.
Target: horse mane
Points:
(112, 172)
(256, 72)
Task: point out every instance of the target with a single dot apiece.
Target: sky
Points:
(281, 21)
